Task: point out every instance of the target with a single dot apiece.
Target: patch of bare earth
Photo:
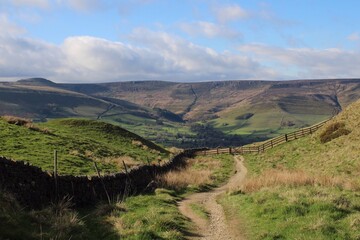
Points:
(216, 226)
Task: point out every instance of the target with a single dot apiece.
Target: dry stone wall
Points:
(35, 188)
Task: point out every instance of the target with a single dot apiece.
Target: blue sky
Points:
(198, 40)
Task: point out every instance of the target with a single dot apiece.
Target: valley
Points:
(168, 112)
(306, 188)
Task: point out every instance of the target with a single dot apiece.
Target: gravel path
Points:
(216, 226)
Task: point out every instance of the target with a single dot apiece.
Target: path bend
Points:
(216, 227)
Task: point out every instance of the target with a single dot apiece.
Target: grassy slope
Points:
(147, 216)
(278, 107)
(306, 211)
(78, 143)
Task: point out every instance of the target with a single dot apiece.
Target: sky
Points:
(86, 41)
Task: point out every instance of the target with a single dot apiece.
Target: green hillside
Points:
(277, 106)
(305, 189)
(165, 111)
(79, 143)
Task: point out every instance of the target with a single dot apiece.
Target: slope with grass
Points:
(79, 143)
(305, 189)
(152, 215)
(156, 110)
(273, 107)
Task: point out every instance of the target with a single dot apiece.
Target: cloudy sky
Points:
(179, 40)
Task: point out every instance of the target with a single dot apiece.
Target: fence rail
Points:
(267, 144)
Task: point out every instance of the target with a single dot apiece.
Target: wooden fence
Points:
(267, 144)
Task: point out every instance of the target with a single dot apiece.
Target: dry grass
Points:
(197, 173)
(62, 221)
(181, 179)
(17, 120)
(120, 160)
(333, 131)
(25, 123)
(295, 178)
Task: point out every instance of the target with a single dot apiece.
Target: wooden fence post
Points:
(102, 182)
(55, 174)
(286, 138)
(125, 167)
(230, 150)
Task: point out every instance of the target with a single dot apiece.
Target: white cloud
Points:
(209, 30)
(9, 28)
(83, 5)
(26, 57)
(229, 13)
(31, 3)
(354, 37)
(89, 59)
(307, 62)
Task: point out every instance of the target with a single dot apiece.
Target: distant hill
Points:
(164, 111)
(78, 142)
(274, 106)
(39, 99)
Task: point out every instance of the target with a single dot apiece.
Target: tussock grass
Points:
(18, 121)
(332, 131)
(200, 172)
(58, 221)
(295, 178)
(178, 180)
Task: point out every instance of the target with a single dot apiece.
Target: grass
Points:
(155, 216)
(201, 173)
(57, 221)
(145, 216)
(304, 189)
(150, 217)
(295, 178)
(79, 143)
(306, 212)
(199, 210)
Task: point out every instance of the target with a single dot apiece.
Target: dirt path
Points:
(216, 226)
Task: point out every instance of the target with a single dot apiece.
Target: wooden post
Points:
(229, 150)
(271, 143)
(286, 138)
(125, 167)
(217, 150)
(55, 174)
(102, 182)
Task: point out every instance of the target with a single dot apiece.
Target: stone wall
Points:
(35, 188)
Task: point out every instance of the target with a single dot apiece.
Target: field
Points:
(304, 189)
(79, 143)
